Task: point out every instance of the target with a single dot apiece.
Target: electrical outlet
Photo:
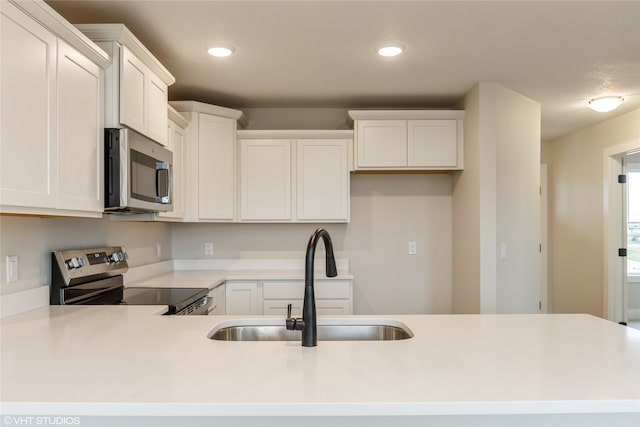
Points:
(12, 268)
(413, 248)
(208, 248)
(158, 250)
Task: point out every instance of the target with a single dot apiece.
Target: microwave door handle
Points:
(163, 167)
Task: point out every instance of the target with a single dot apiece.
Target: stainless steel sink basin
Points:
(328, 330)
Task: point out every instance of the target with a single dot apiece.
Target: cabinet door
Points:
(156, 108)
(241, 298)
(132, 91)
(176, 143)
(265, 180)
(323, 307)
(80, 133)
(333, 307)
(216, 173)
(28, 144)
(432, 143)
(381, 143)
(322, 184)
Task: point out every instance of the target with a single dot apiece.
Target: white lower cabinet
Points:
(241, 298)
(323, 307)
(333, 297)
(271, 297)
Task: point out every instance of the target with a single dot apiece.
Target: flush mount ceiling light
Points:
(220, 51)
(390, 49)
(605, 103)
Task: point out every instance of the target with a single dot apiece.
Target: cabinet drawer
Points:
(328, 289)
(323, 307)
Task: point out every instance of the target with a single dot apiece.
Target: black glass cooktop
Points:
(175, 298)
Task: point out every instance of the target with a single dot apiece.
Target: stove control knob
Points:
(117, 257)
(73, 263)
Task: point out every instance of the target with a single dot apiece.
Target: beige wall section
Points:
(387, 211)
(466, 214)
(495, 202)
(576, 212)
(32, 239)
(297, 118)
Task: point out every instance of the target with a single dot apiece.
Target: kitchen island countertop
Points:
(128, 360)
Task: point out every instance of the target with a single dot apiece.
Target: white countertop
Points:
(212, 278)
(125, 360)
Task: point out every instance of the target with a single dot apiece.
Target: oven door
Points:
(200, 307)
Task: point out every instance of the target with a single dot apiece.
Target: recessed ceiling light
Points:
(605, 103)
(220, 51)
(390, 50)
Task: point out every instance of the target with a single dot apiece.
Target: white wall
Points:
(32, 239)
(576, 211)
(387, 211)
(496, 202)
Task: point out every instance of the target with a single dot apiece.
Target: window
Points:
(633, 219)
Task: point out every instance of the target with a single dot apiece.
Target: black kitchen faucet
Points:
(308, 322)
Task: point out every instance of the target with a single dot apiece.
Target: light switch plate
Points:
(12, 268)
(413, 248)
(208, 248)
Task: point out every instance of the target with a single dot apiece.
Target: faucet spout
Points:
(308, 325)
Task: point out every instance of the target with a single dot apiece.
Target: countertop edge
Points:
(323, 409)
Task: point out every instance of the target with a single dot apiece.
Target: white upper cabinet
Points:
(216, 168)
(432, 143)
(177, 143)
(294, 176)
(136, 85)
(322, 180)
(381, 143)
(51, 115)
(80, 132)
(429, 140)
(28, 150)
(265, 180)
(211, 190)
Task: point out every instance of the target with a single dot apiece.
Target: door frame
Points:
(614, 265)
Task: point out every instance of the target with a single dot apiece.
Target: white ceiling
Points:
(321, 53)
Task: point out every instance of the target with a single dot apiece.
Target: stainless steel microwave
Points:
(138, 173)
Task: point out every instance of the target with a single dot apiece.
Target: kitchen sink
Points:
(330, 329)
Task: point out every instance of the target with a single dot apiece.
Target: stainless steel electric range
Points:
(95, 276)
